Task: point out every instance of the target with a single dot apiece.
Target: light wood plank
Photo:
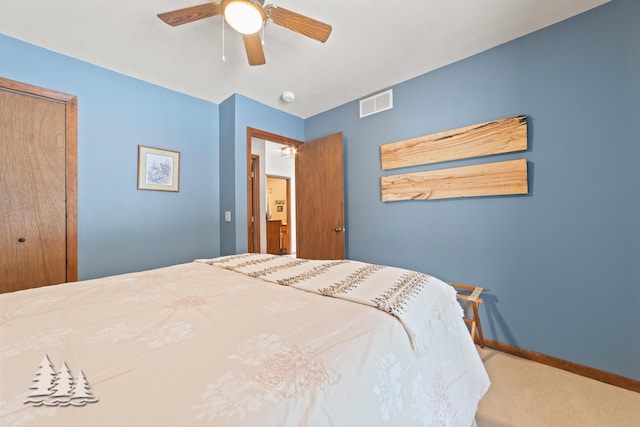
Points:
(488, 179)
(494, 137)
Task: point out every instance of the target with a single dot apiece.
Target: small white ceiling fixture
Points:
(288, 96)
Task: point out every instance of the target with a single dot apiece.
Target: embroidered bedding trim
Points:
(425, 305)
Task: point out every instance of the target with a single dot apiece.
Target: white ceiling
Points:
(374, 44)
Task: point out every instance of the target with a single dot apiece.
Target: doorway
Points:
(271, 195)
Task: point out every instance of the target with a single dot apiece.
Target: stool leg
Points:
(476, 319)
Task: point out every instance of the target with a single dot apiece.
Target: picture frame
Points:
(158, 169)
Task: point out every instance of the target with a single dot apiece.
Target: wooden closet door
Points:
(33, 247)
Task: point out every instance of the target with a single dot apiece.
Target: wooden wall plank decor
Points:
(494, 137)
(487, 179)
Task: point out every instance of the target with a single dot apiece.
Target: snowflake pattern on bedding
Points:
(118, 332)
(419, 392)
(389, 387)
(431, 403)
(255, 351)
(170, 333)
(293, 372)
(42, 340)
(232, 395)
(439, 401)
(283, 373)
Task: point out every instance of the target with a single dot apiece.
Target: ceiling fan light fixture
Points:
(244, 16)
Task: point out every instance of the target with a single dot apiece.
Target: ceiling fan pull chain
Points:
(223, 58)
(263, 34)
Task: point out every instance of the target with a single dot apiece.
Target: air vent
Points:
(376, 103)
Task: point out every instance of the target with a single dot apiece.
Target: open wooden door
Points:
(320, 198)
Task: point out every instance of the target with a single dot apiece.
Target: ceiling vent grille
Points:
(376, 103)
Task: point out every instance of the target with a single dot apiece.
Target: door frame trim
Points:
(267, 136)
(71, 162)
(254, 206)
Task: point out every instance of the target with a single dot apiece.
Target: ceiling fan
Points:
(248, 17)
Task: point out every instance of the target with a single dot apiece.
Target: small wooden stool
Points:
(474, 298)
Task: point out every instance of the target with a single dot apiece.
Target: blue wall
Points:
(120, 228)
(562, 263)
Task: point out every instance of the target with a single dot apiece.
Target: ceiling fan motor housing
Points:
(244, 16)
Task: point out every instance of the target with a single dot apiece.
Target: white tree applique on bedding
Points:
(51, 388)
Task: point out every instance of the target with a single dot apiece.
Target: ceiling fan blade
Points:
(253, 46)
(299, 23)
(190, 14)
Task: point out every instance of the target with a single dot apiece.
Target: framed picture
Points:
(158, 169)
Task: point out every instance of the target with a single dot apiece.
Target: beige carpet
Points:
(525, 393)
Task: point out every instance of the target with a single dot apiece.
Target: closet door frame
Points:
(71, 163)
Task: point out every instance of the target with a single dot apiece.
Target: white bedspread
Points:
(197, 344)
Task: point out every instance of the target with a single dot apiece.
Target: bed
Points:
(241, 340)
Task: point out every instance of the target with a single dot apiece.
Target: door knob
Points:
(22, 240)
(338, 229)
